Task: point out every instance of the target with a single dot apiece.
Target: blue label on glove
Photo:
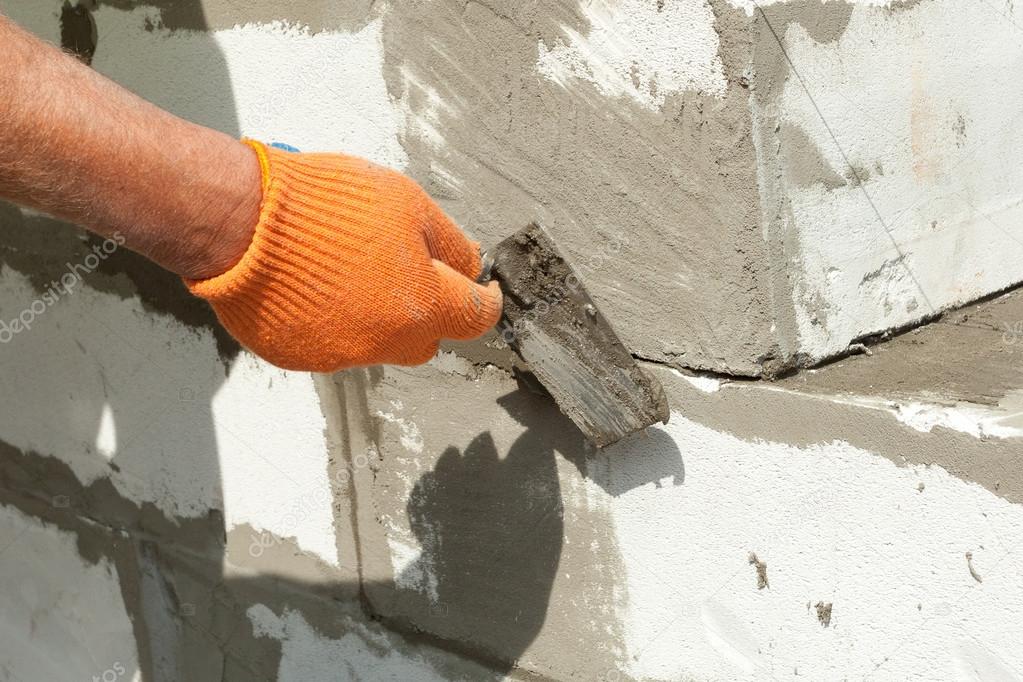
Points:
(285, 147)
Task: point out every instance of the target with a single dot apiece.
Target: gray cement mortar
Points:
(677, 186)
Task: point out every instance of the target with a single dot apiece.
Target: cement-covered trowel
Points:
(552, 324)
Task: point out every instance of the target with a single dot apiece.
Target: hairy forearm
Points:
(78, 146)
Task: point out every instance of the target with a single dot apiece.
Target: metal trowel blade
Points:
(557, 330)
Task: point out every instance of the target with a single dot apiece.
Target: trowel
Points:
(554, 326)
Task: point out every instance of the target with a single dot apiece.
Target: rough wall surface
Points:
(745, 188)
(889, 160)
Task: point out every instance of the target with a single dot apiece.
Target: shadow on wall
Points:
(493, 580)
(491, 526)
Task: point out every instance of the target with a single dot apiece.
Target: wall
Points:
(887, 161)
(746, 191)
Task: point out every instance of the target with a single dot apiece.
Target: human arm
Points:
(78, 146)
(313, 261)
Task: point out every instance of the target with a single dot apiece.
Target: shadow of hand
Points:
(491, 532)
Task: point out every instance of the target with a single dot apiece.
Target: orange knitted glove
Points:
(351, 264)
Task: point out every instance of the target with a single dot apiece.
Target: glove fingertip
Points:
(487, 302)
(470, 308)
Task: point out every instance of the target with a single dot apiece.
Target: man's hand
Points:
(313, 261)
(351, 264)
